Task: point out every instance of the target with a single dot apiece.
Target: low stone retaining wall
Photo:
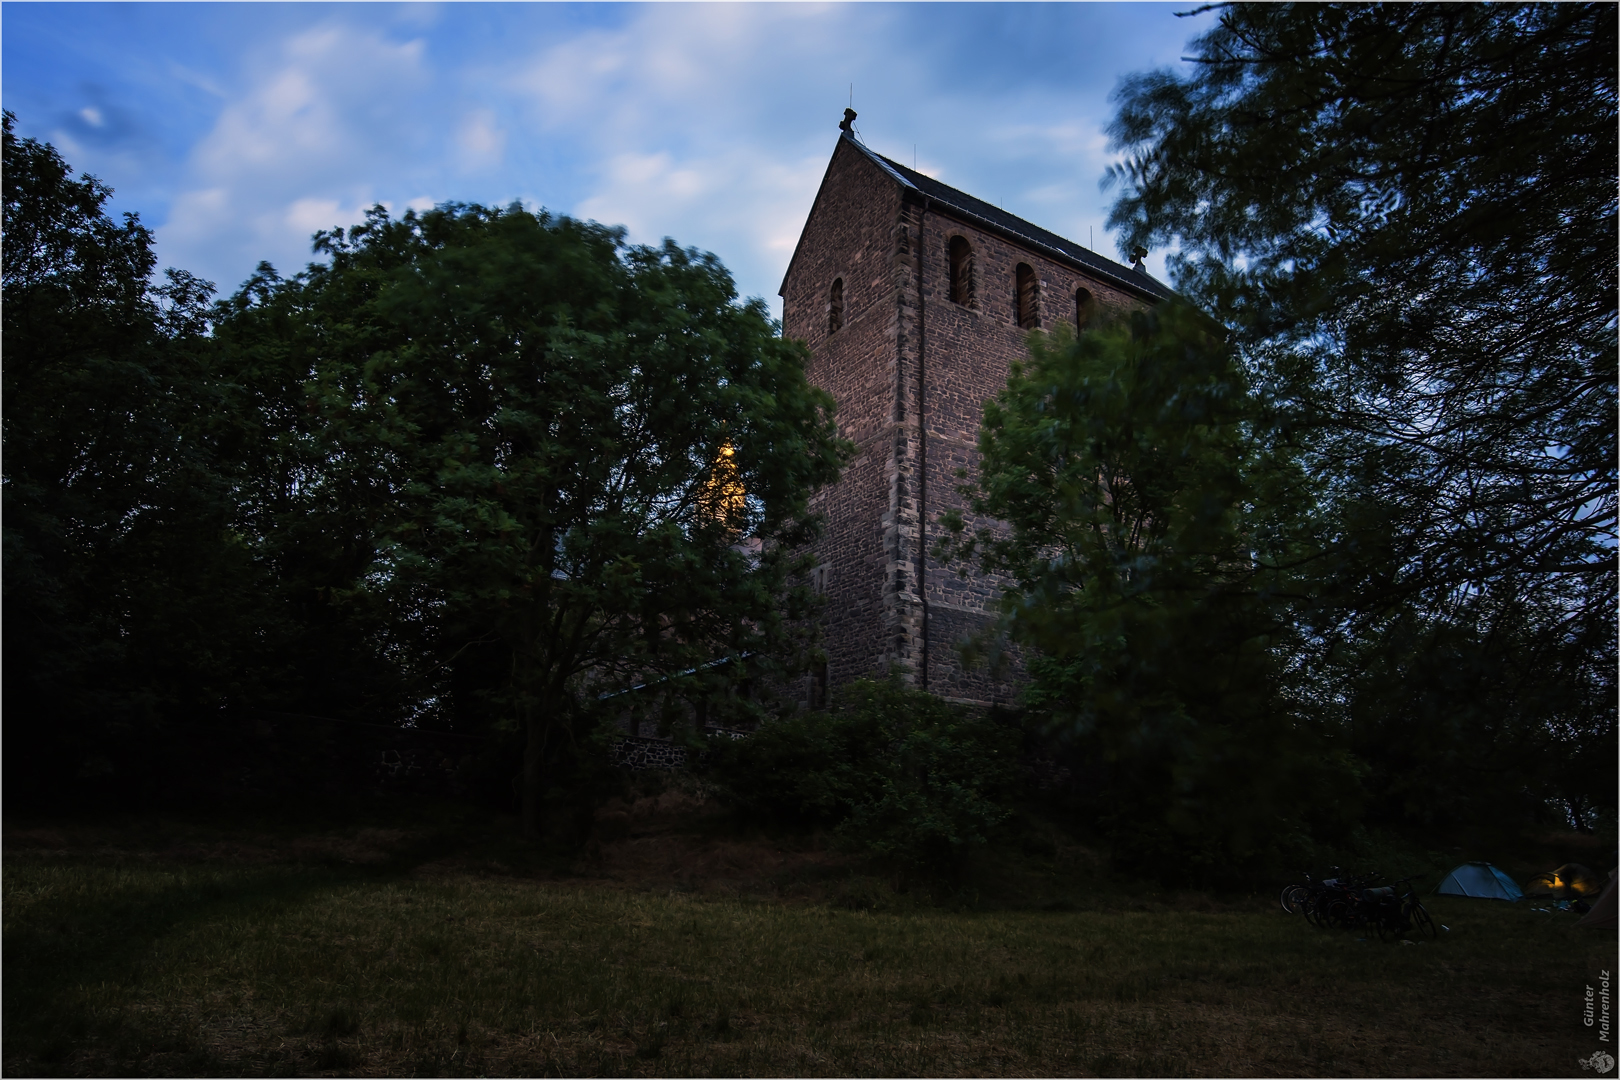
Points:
(639, 752)
(647, 752)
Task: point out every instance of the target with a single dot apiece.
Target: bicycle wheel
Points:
(1387, 917)
(1336, 913)
(1293, 899)
(1421, 922)
(1312, 912)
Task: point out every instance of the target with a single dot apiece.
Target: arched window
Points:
(835, 306)
(1084, 305)
(1028, 317)
(961, 271)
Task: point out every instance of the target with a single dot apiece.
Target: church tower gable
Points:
(914, 299)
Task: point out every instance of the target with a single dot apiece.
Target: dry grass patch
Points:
(336, 965)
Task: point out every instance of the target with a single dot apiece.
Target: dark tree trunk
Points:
(534, 765)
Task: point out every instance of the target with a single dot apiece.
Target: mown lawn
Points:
(228, 965)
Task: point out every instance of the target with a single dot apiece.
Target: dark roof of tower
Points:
(993, 218)
(996, 219)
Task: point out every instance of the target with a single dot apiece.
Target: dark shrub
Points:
(892, 771)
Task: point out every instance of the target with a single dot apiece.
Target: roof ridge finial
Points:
(847, 124)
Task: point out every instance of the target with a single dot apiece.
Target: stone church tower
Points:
(914, 299)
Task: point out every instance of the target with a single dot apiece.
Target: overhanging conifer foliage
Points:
(1406, 216)
(1343, 555)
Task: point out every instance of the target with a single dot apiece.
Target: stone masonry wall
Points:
(872, 615)
(969, 352)
(911, 371)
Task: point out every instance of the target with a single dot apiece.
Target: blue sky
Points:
(237, 130)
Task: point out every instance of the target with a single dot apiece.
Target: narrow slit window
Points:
(835, 306)
(1084, 306)
(961, 253)
(1027, 289)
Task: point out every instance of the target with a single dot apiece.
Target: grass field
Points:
(375, 952)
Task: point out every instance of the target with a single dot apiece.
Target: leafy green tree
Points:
(589, 458)
(1405, 215)
(1153, 539)
(128, 599)
(311, 523)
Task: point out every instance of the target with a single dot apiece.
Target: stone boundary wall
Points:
(639, 752)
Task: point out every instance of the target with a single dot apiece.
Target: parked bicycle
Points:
(1353, 901)
(1396, 910)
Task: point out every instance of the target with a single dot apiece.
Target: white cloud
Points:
(67, 145)
(692, 122)
(482, 142)
(711, 124)
(194, 208)
(307, 216)
(190, 77)
(301, 150)
(1067, 139)
(747, 204)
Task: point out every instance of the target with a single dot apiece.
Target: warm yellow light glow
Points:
(723, 492)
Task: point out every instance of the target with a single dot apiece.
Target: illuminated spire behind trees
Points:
(724, 497)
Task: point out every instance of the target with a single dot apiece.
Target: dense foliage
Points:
(483, 469)
(124, 587)
(1429, 304)
(542, 428)
(1154, 547)
(1329, 543)
(1432, 294)
(167, 560)
(890, 771)
(1375, 511)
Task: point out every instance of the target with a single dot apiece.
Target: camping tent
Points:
(1568, 882)
(1479, 879)
(1602, 915)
